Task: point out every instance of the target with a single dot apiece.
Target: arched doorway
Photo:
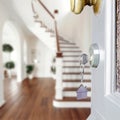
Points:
(11, 37)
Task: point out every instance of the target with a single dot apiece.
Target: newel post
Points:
(58, 86)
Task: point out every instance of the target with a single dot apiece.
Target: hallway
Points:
(32, 100)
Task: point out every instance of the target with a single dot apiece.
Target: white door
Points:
(105, 101)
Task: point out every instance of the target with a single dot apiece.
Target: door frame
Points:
(110, 61)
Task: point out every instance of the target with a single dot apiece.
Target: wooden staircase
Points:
(71, 78)
(71, 74)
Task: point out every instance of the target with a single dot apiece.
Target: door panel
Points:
(105, 101)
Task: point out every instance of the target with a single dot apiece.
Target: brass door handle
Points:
(78, 5)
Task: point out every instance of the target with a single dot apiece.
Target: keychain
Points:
(82, 90)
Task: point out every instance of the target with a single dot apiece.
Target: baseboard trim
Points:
(62, 104)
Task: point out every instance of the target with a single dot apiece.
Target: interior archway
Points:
(11, 36)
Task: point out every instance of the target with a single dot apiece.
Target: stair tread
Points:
(36, 16)
(38, 21)
(74, 99)
(48, 30)
(75, 73)
(68, 47)
(52, 32)
(43, 26)
(68, 43)
(71, 51)
(88, 81)
(74, 88)
(70, 55)
(52, 35)
(71, 61)
(63, 40)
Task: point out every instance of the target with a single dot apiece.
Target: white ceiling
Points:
(20, 11)
(23, 9)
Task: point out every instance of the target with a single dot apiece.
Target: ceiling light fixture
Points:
(78, 5)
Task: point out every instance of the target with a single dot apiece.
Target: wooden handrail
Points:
(46, 9)
(59, 53)
(57, 39)
(33, 8)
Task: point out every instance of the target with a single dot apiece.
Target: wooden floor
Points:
(32, 100)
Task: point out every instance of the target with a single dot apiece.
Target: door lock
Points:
(94, 55)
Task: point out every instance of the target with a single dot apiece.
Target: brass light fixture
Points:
(78, 5)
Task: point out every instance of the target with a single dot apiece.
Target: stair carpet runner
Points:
(72, 76)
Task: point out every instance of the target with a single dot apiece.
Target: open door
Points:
(105, 97)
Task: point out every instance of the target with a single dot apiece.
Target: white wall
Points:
(2, 16)
(19, 35)
(10, 37)
(72, 27)
(13, 36)
(76, 28)
(1, 70)
(44, 55)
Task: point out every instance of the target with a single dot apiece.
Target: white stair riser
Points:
(75, 70)
(63, 104)
(52, 35)
(65, 41)
(71, 58)
(75, 84)
(71, 64)
(75, 57)
(67, 45)
(73, 94)
(73, 77)
(69, 49)
(71, 53)
(62, 42)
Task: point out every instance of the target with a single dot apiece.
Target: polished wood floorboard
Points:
(32, 100)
